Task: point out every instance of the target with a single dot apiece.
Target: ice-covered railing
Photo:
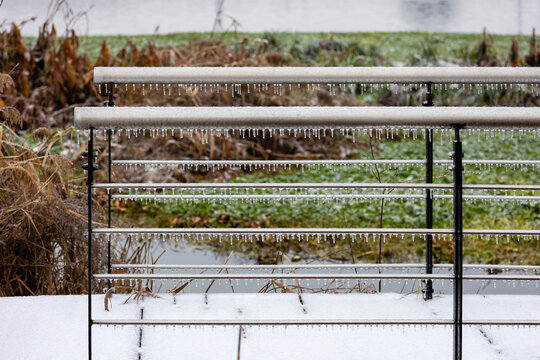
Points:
(301, 276)
(211, 192)
(511, 275)
(175, 81)
(214, 165)
(316, 75)
(319, 322)
(309, 234)
(328, 268)
(325, 274)
(311, 121)
(322, 266)
(314, 123)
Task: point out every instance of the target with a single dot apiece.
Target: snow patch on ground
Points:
(54, 327)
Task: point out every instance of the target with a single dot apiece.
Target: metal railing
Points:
(314, 123)
(317, 75)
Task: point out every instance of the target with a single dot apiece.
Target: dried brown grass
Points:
(6, 82)
(47, 77)
(43, 247)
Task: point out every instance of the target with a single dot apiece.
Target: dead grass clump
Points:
(10, 116)
(43, 246)
(47, 77)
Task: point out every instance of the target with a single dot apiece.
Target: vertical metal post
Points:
(428, 291)
(90, 168)
(457, 156)
(109, 102)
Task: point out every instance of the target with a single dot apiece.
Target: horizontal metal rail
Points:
(299, 163)
(493, 197)
(221, 185)
(310, 322)
(316, 75)
(320, 266)
(493, 162)
(309, 231)
(314, 197)
(501, 187)
(288, 197)
(275, 276)
(266, 163)
(301, 276)
(302, 118)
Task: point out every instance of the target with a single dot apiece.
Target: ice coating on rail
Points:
(304, 118)
(304, 234)
(273, 165)
(316, 75)
(170, 89)
(315, 192)
(318, 235)
(318, 198)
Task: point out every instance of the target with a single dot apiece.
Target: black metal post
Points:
(428, 291)
(89, 167)
(109, 102)
(457, 156)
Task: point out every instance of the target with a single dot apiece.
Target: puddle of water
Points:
(190, 255)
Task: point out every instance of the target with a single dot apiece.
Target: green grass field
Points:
(401, 47)
(408, 48)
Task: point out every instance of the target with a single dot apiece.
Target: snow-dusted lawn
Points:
(54, 327)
